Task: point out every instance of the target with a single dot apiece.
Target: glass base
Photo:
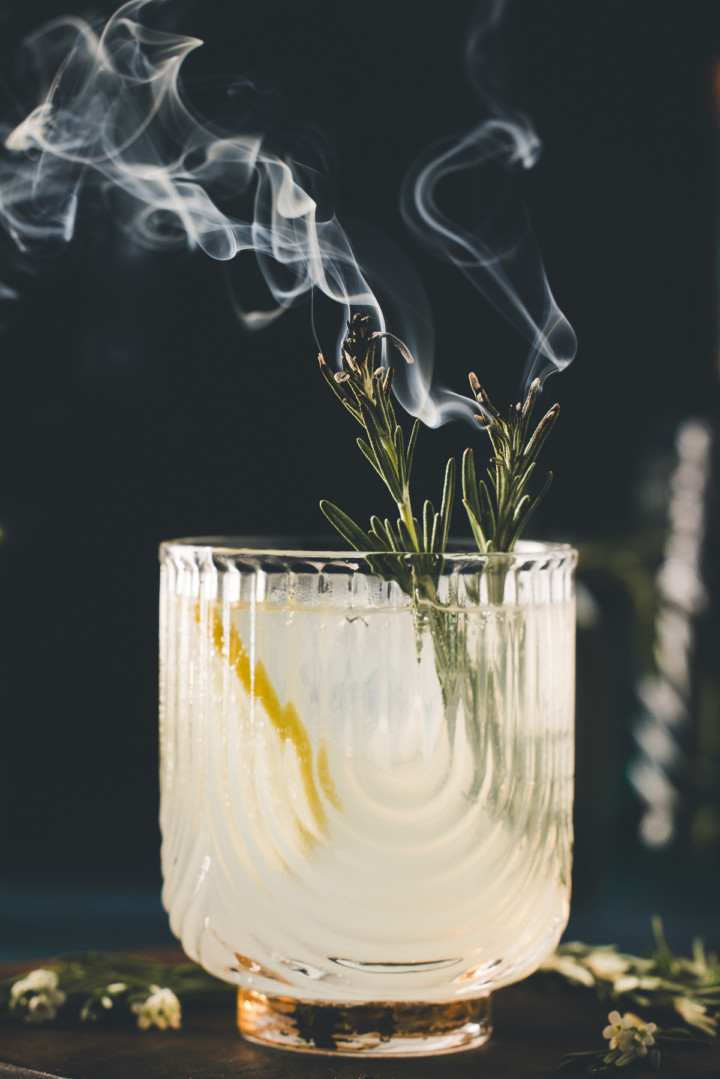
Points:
(384, 1029)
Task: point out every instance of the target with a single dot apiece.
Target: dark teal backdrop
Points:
(134, 407)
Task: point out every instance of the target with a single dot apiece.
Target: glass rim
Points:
(293, 549)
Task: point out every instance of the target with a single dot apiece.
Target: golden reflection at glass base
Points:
(383, 1029)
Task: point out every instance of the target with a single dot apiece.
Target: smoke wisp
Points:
(112, 118)
(112, 123)
(499, 255)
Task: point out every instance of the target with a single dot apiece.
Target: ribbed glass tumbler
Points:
(366, 800)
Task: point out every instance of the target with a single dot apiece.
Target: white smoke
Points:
(111, 122)
(113, 119)
(499, 255)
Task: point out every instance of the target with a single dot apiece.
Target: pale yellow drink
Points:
(339, 822)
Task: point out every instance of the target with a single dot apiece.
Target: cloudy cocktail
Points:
(352, 832)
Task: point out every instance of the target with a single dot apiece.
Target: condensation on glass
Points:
(366, 804)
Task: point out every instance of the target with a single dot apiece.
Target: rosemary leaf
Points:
(406, 538)
(399, 442)
(476, 527)
(521, 482)
(520, 506)
(393, 541)
(347, 528)
(447, 504)
(542, 431)
(367, 452)
(488, 513)
(469, 484)
(411, 447)
(428, 515)
(385, 464)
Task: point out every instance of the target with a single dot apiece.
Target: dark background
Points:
(135, 408)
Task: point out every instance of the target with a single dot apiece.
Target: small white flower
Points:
(38, 996)
(630, 1036)
(617, 1025)
(36, 979)
(161, 1009)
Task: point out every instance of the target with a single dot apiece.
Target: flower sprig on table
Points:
(95, 987)
(664, 984)
(688, 986)
(631, 1040)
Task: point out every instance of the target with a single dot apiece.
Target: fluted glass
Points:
(365, 803)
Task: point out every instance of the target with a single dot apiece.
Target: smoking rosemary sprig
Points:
(364, 390)
(500, 507)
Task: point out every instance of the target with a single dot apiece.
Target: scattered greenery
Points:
(671, 986)
(688, 986)
(631, 1041)
(100, 988)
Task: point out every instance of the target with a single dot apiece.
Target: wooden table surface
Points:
(533, 1029)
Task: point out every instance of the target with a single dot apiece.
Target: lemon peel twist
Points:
(283, 717)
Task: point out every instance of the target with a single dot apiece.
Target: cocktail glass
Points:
(366, 801)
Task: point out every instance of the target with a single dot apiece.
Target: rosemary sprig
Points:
(500, 506)
(364, 390)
